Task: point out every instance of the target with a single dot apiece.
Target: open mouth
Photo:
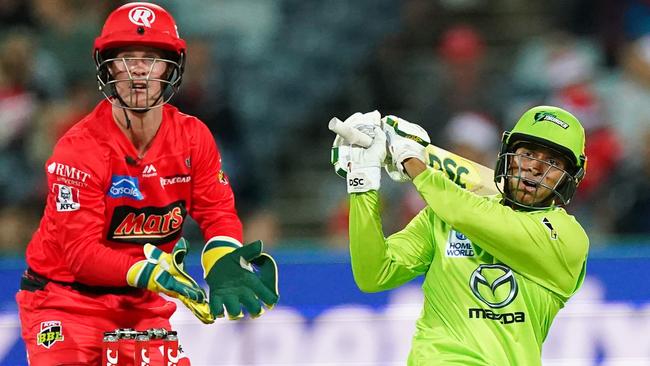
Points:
(139, 86)
(528, 185)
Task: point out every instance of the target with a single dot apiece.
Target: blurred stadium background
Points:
(267, 75)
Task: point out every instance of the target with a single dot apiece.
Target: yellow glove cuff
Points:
(214, 249)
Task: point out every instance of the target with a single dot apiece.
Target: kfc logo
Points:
(141, 15)
(67, 198)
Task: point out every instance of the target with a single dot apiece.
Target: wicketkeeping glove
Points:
(405, 140)
(164, 272)
(239, 275)
(359, 166)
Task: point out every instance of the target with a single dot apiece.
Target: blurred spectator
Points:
(473, 136)
(604, 153)
(465, 80)
(68, 28)
(603, 148)
(629, 195)
(469, 134)
(601, 20)
(15, 13)
(550, 63)
(262, 225)
(18, 104)
(57, 117)
(18, 224)
(400, 77)
(628, 97)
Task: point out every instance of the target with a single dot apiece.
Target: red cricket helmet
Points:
(140, 23)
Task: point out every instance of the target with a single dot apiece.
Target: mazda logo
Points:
(487, 283)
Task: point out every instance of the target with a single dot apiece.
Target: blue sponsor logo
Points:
(460, 236)
(125, 186)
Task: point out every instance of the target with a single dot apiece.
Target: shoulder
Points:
(185, 122)
(83, 147)
(564, 227)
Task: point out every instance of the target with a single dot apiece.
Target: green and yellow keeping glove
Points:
(164, 272)
(239, 275)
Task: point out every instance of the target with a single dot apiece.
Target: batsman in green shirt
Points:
(496, 269)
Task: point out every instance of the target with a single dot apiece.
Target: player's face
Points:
(138, 72)
(535, 172)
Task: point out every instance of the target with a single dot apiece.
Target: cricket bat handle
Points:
(351, 135)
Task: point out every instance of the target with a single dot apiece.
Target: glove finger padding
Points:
(267, 271)
(340, 157)
(250, 251)
(233, 307)
(234, 281)
(251, 303)
(159, 273)
(216, 304)
(405, 140)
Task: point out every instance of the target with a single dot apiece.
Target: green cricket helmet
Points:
(553, 128)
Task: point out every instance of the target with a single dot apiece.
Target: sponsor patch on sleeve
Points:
(223, 179)
(67, 198)
(551, 229)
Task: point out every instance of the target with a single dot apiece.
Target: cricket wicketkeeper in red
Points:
(120, 185)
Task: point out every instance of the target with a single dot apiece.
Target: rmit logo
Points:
(155, 225)
(67, 171)
(355, 182)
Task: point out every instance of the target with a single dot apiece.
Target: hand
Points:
(361, 167)
(164, 272)
(239, 276)
(405, 140)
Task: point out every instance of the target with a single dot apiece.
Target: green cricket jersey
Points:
(494, 277)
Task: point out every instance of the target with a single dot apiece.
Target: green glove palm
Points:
(239, 276)
(164, 272)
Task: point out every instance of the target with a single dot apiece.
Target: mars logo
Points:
(50, 333)
(67, 198)
(155, 225)
(141, 15)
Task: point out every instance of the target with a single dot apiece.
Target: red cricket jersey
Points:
(103, 204)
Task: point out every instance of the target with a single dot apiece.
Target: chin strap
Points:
(128, 120)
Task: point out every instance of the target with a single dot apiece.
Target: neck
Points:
(143, 126)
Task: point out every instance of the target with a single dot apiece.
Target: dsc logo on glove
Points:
(355, 182)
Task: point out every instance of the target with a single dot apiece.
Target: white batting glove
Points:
(405, 140)
(361, 167)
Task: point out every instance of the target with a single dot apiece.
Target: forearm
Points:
(99, 265)
(414, 167)
(372, 264)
